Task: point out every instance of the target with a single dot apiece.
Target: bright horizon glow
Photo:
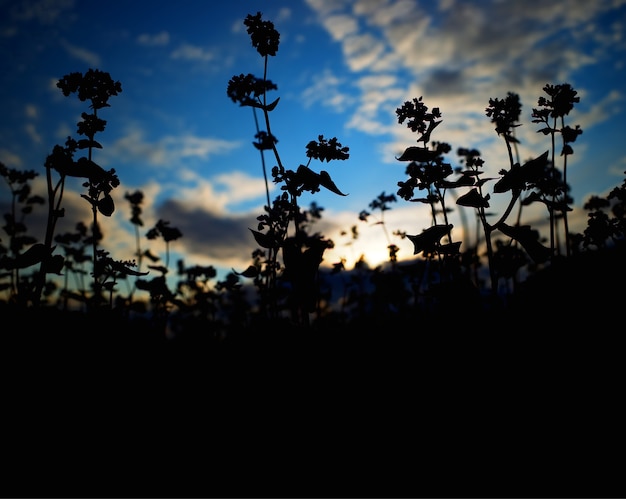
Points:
(342, 69)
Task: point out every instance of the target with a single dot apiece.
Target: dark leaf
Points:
(528, 238)
(251, 272)
(264, 240)
(326, 181)
(272, 105)
(518, 176)
(88, 169)
(535, 169)
(86, 143)
(106, 206)
(464, 180)
(55, 264)
(158, 268)
(473, 199)
(429, 238)
(512, 179)
(419, 154)
(33, 255)
(450, 249)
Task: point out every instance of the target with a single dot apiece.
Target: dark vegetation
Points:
(449, 346)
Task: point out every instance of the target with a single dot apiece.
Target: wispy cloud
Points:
(190, 52)
(284, 14)
(340, 26)
(326, 91)
(46, 12)
(603, 110)
(81, 54)
(157, 40)
(168, 150)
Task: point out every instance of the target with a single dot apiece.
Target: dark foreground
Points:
(516, 403)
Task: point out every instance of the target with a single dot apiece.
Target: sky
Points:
(341, 70)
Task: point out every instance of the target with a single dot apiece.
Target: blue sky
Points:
(342, 69)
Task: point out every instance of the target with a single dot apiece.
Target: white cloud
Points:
(326, 89)
(189, 52)
(168, 150)
(602, 110)
(362, 51)
(190, 146)
(241, 187)
(385, 13)
(327, 7)
(340, 26)
(216, 194)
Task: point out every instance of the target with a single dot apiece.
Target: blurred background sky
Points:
(342, 69)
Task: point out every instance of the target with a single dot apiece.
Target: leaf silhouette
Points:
(272, 105)
(329, 184)
(518, 176)
(528, 238)
(88, 169)
(33, 255)
(251, 272)
(450, 249)
(55, 264)
(264, 240)
(465, 180)
(429, 238)
(86, 143)
(419, 154)
(106, 206)
(473, 199)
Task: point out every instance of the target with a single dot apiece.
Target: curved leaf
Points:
(419, 154)
(264, 240)
(329, 184)
(429, 238)
(251, 272)
(33, 255)
(529, 239)
(272, 105)
(473, 199)
(106, 206)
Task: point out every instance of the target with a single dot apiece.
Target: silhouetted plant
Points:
(96, 87)
(161, 297)
(75, 246)
(109, 271)
(551, 112)
(136, 199)
(428, 171)
(604, 230)
(14, 258)
(302, 254)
